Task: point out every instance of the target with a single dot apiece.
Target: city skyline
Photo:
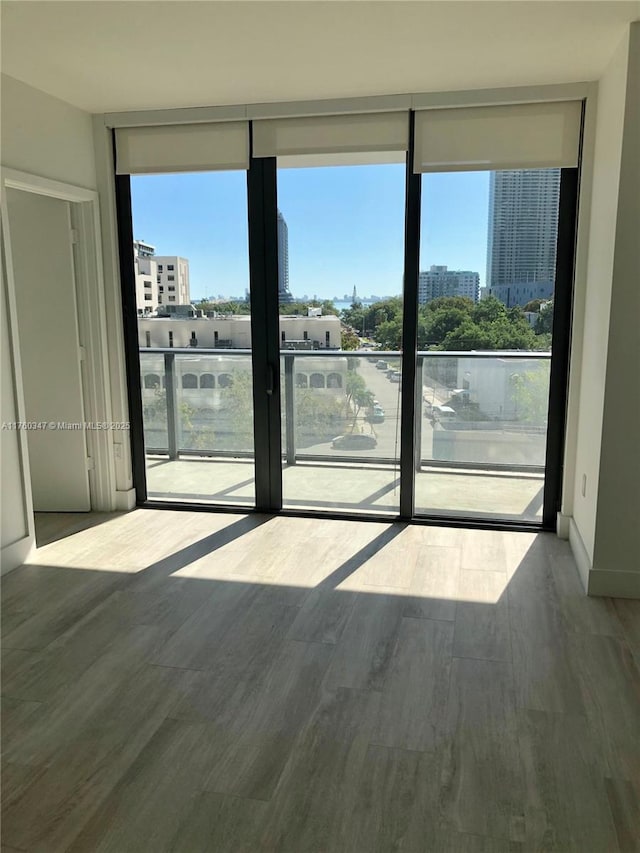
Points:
(345, 227)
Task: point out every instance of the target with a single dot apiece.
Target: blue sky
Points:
(345, 226)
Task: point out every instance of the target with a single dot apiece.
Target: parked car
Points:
(354, 441)
(382, 365)
(375, 414)
(396, 376)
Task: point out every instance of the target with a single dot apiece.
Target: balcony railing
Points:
(482, 410)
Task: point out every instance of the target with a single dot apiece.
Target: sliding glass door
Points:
(340, 239)
(191, 268)
(485, 307)
(364, 314)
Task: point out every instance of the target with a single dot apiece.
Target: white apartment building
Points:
(160, 279)
(146, 274)
(441, 281)
(202, 377)
(172, 278)
(235, 332)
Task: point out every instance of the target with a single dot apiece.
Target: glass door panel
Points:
(194, 333)
(486, 293)
(340, 241)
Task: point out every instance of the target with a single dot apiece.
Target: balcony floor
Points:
(351, 487)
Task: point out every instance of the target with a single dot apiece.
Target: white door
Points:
(42, 257)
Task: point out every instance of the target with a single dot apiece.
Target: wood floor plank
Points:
(312, 807)
(582, 613)
(220, 823)
(81, 593)
(101, 686)
(323, 616)
(624, 803)
(13, 661)
(148, 805)
(628, 613)
(395, 804)
(262, 725)
(434, 587)
(393, 565)
(414, 698)
(481, 787)
(566, 805)
(483, 550)
(448, 841)
(482, 617)
(17, 716)
(433, 536)
(611, 681)
(86, 760)
(15, 779)
(544, 664)
(195, 643)
(44, 673)
(364, 653)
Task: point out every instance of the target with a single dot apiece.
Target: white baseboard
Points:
(601, 582)
(580, 554)
(563, 524)
(125, 500)
(16, 554)
(614, 584)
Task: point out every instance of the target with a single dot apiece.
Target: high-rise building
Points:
(522, 233)
(284, 295)
(441, 281)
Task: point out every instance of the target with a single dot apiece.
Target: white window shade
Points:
(182, 148)
(519, 136)
(342, 134)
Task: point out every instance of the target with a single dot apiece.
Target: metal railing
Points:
(441, 370)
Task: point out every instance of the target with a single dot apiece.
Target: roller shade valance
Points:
(341, 134)
(182, 148)
(516, 136)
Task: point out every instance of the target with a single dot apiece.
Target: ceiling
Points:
(106, 56)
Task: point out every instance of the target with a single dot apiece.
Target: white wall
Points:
(617, 541)
(605, 518)
(47, 137)
(14, 519)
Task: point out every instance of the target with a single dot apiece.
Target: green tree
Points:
(318, 416)
(389, 334)
(237, 408)
(348, 338)
(544, 323)
(530, 392)
(224, 307)
(358, 395)
(301, 308)
(442, 321)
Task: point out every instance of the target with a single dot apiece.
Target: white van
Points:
(443, 413)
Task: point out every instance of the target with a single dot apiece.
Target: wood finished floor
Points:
(196, 682)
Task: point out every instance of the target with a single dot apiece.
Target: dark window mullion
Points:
(124, 219)
(409, 333)
(265, 321)
(560, 346)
